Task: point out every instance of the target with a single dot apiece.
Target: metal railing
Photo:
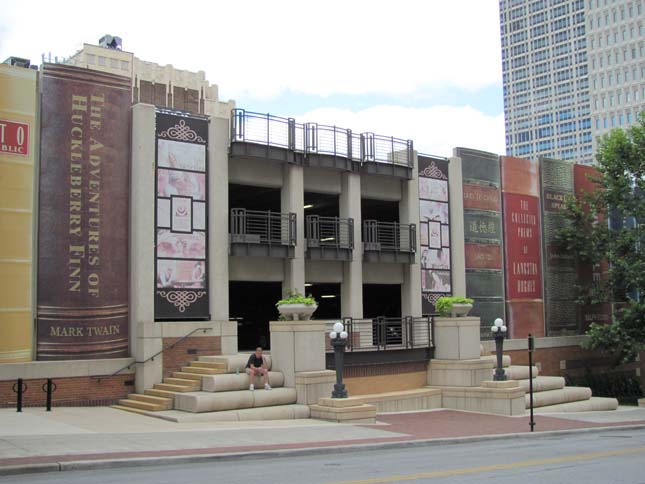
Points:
(389, 236)
(262, 227)
(269, 130)
(329, 232)
(382, 334)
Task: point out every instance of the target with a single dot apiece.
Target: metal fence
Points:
(329, 232)
(389, 236)
(382, 334)
(262, 227)
(269, 130)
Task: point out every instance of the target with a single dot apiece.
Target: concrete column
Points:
(293, 200)
(351, 289)
(409, 214)
(457, 251)
(218, 214)
(145, 334)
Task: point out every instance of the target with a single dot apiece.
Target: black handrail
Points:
(151, 358)
(329, 232)
(263, 227)
(389, 236)
(382, 333)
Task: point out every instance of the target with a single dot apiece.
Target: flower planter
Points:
(297, 312)
(460, 309)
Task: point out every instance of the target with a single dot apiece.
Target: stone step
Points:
(165, 402)
(173, 388)
(594, 404)
(543, 383)
(232, 382)
(517, 372)
(555, 397)
(155, 392)
(151, 407)
(202, 371)
(198, 402)
(208, 364)
(192, 384)
(402, 401)
(187, 376)
(274, 412)
(506, 360)
(131, 409)
(233, 362)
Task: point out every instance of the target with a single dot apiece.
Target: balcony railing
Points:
(255, 232)
(394, 241)
(316, 139)
(382, 334)
(329, 237)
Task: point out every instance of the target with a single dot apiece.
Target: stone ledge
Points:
(447, 322)
(318, 376)
(473, 364)
(297, 326)
(31, 370)
(361, 413)
(501, 384)
(483, 392)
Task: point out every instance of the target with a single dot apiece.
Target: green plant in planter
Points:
(296, 298)
(444, 303)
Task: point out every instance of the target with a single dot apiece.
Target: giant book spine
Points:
(82, 305)
(587, 273)
(17, 154)
(434, 231)
(559, 266)
(522, 243)
(483, 234)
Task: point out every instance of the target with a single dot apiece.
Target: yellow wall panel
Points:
(18, 104)
(16, 180)
(15, 285)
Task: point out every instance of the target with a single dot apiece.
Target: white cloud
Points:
(261, 47)
(435, 130)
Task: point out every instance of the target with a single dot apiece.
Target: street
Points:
(603, 457)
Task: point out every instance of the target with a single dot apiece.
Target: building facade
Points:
(562, 89)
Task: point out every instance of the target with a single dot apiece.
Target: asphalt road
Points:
(589, 458)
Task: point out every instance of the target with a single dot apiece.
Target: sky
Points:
(426, 70)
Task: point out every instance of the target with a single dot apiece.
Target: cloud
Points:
(260, 48)
(435, 130)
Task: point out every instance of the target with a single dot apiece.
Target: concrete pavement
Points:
(94, 437)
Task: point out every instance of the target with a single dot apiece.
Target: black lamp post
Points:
(499, 332)
(338, 337)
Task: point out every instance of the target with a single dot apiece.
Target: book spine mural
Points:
(587, 273)
(523, 261)
(181, 218)
(434, 231)
(483, 235)
(559, 267)
(82, 306)
(18, 144)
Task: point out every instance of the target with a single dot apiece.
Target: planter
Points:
(460, 309)
(297, 312)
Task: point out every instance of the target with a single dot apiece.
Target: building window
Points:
(125, 65)
(114, 63)
(90, 59)
(101, 60)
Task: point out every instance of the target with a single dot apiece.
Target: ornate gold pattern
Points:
(181, 132)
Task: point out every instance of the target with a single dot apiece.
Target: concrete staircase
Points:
(215, 388)
(550, 394)
(162, 395)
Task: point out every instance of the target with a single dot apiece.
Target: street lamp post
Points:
(499, 332)
(338, 337)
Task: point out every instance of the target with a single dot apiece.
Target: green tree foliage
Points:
(586, 234)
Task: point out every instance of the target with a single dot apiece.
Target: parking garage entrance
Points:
(382, 300)
(328, 298)
(252, 305)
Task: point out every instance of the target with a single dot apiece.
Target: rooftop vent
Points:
(111, 42)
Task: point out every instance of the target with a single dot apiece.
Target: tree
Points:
(607, 227)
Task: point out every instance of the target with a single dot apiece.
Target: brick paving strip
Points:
(443, 424)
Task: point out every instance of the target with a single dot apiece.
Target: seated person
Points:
(257, 366)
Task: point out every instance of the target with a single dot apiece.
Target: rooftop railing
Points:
(310, 138)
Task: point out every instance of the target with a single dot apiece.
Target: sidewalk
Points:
(95, 437)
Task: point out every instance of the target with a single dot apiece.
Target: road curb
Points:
(278, 453)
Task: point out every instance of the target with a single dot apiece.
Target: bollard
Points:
(531, 348)
(19, 388)
(49, 388)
